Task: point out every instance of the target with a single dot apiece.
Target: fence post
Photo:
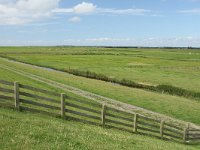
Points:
(62, 105)
(135, 123)
(162, 123)
(185, 133)
(16, 95)
(103, 115)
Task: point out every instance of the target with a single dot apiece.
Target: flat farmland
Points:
(177, 68)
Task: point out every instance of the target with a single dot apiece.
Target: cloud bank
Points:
(18, 12)
(15, 12)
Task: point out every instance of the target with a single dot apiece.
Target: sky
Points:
(100, 22)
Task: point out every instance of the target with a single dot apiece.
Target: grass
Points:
(151, 67)
(23, 130)
(180, 68)
(177, 107)
(158, 88)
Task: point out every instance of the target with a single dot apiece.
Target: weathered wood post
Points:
(185, 133)
(103, 115)
(162, 123)
(135, 123)
(62, 105)
(16, 95)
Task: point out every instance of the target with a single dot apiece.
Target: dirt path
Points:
(86, 94)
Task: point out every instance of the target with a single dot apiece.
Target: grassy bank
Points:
(21, 130)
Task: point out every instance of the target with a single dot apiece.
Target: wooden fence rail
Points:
(38, 100)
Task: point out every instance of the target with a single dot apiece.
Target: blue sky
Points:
(100, 22)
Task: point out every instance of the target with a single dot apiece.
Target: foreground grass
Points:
(177, 107)
(22, 130)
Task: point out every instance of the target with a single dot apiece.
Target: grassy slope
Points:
(178, 107)
(10, 76)
(20, 130)
(172, 67)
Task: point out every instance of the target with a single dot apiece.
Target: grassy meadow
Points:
(179, 68)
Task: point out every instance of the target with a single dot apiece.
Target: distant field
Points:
(179, 68)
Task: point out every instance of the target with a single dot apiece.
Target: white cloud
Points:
(37, 6)
(75, 19)
(63, 10)
(14, 12)
(82, 8)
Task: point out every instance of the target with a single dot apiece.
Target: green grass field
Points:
(174, 67)
(179, 68)
(20, 130)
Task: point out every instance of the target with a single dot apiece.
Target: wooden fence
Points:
(28, 98)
